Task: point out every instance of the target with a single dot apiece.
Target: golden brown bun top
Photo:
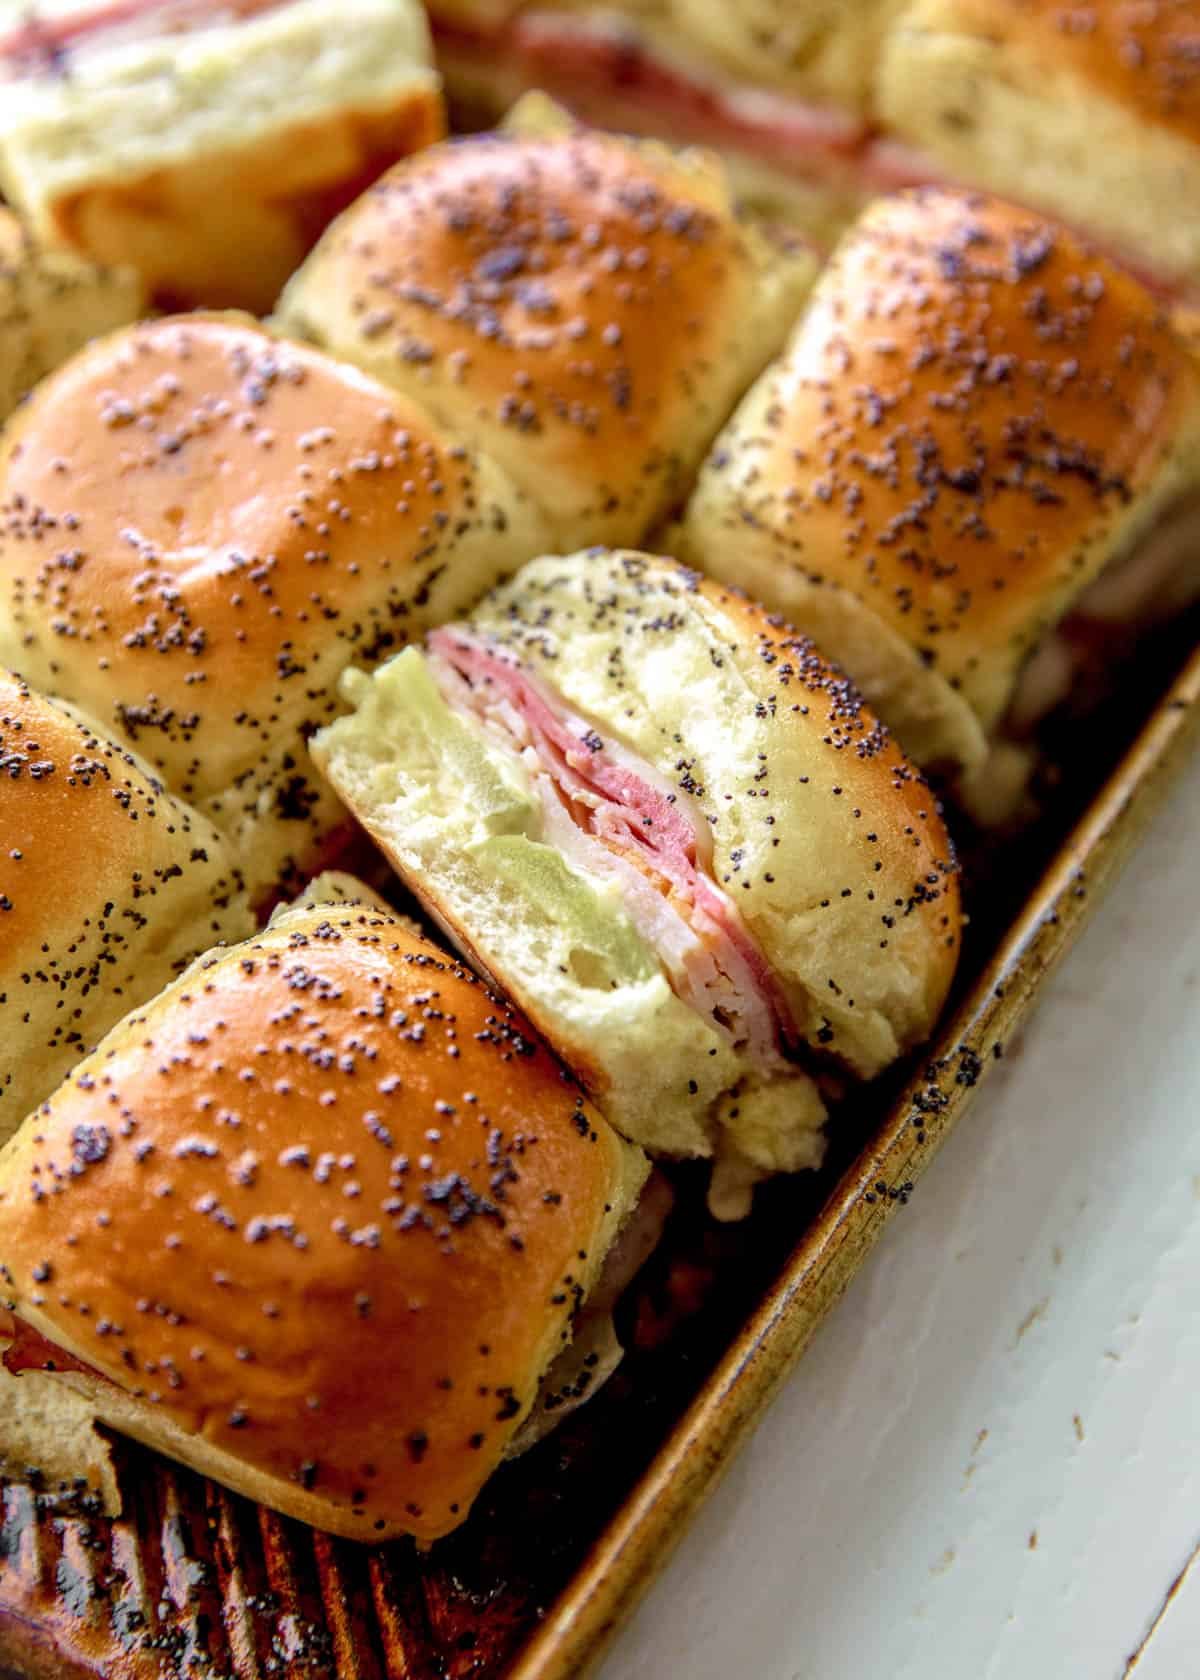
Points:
(323, 1202)
(105, 880)
(201, 525)
(585, 307)
(1140, 52)
(66, 795)
(961, 423)
(75, 809)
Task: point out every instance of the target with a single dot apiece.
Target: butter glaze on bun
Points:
(108, 888)
(200, 526)
(974, 418)
(1091, 112)
(316, 1221)
(585, 308)
(699, 718)
(207, 144)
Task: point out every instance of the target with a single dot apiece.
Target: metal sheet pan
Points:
(192, 1581)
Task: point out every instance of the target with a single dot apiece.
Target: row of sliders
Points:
(1087, 112)
(273, 585)
(205, 145)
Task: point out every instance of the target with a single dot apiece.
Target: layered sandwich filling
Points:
(607, 72)
(29, 1350)
(614, 75)
(612, 816)
(44, 41)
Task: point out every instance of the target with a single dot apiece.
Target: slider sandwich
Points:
(206, 144)
(676, 837)
(782, 88)
(972, 475)
(322, 1221)
(583, 308)
(51, 303)
(201, 526)
(109, 887)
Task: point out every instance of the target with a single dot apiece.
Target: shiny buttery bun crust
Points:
(320, 1214)
(583, 307)
(974, 415)
(108, 888)
(201, 525)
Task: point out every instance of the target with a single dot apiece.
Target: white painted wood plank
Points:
(989, 1462)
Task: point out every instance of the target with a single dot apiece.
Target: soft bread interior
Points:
(47, 1436)
(460, 820)
(1006, 115)
(673, 668)
(125, 157)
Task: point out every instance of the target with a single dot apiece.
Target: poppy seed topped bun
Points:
(201, 525)
(108, 888)
(706, 762)
(315, 1222)
(1090, 112)
(585, 308)
(975, 418)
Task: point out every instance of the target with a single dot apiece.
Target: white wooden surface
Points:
(988, 1464)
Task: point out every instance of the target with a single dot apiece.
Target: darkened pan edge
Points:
(639, 1540)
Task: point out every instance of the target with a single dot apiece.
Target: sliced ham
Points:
(31, 1351)
(41, 42)
(613, 815)
(583, 61)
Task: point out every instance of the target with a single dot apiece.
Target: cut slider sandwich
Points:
(583, 308)
(676, 836)
(973, 475)
(782, 88)
(201, 526)
(320, 1221)
(206, 144)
